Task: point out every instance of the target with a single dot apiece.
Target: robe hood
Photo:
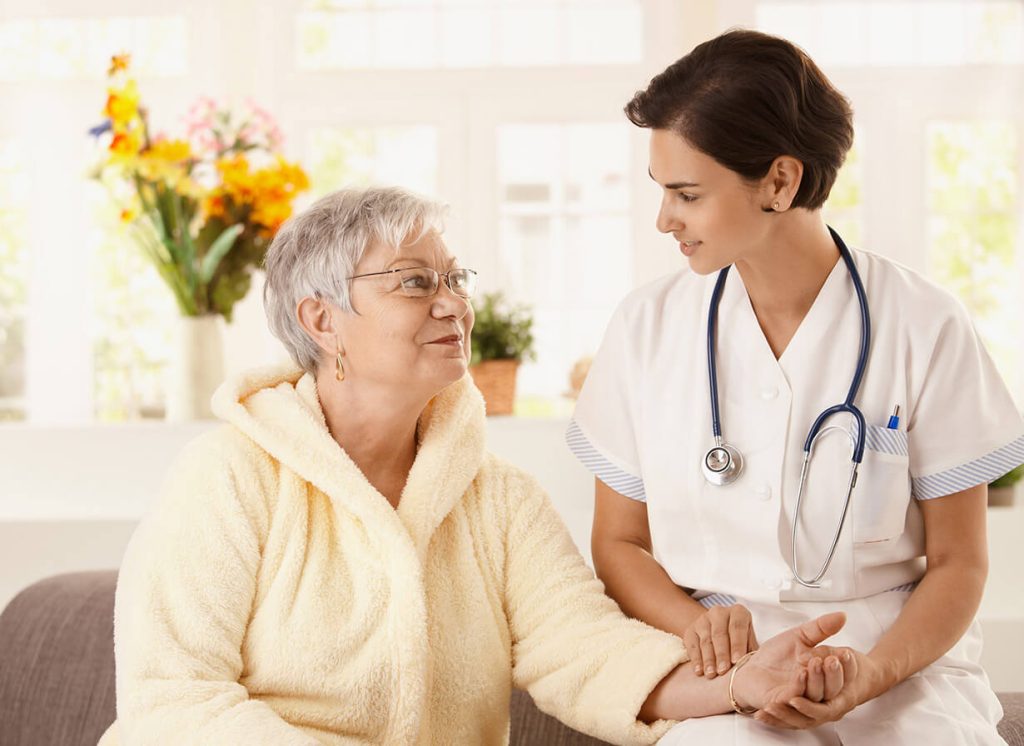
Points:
(279, 409)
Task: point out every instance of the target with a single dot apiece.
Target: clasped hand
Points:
(792, 680)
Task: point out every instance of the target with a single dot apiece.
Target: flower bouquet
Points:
(204, 208)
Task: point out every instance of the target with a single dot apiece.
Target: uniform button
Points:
(763, 491)
(769, 392)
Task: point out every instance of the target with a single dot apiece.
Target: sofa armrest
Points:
(531, 727)
(57, 661)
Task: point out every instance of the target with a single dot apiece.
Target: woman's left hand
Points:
(822, 701)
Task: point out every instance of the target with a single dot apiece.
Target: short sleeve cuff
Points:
(601, 467)
(980, 471)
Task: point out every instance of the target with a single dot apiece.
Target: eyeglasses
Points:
(423, 282)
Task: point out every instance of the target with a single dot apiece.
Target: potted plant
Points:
(1000, 491)
(502, 338)
(202, 209)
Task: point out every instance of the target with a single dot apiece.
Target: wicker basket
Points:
(496, 380)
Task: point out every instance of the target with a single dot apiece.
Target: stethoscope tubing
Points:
(848, 406)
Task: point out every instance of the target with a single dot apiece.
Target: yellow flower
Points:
(174, 151)
(119, 63)
(214, 205)
(274, 189)
(166, 160)
(122, 105)
(125, 145)
(129, 214)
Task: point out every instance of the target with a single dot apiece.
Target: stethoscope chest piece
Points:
(722, 465)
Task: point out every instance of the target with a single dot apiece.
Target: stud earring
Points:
(775, 205)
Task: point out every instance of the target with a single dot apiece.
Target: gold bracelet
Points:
(732, 677)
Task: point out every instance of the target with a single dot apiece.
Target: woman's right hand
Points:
(718, 638)
(778, 671)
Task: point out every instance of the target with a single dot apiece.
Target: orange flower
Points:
(119, 63)
(126, 144)
(214, 206)
(128, 215)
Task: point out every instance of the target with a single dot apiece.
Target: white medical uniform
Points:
(643, 425)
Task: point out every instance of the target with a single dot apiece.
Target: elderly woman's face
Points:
(401, 340)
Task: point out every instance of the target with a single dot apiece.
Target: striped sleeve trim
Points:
(905, 588)
(717, 599)
(979, 471)
(620, 481)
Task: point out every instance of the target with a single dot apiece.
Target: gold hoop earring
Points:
(340, 373)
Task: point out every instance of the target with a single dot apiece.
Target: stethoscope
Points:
(723, 463)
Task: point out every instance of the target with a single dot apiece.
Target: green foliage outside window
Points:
(13, 287)
(845, 202)
(973, 184)
(134, 321)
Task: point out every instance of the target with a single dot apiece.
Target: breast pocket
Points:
(880, 500)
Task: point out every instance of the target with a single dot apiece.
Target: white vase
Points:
(197, 367)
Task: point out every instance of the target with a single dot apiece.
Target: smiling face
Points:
(395, 339)
(713, 213)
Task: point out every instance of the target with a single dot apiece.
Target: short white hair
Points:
(315, 252)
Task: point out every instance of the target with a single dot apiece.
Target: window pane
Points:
(349, 156)
(405, 39)
(529, 35)
(411, 34)
(564, 240)
(14, 190)
(466, 37)
(844, 209)
(950, 32)
(602, 33)
(134, 323)
(973, 187)
(80, 48)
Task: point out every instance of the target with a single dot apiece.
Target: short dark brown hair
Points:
(746, 98)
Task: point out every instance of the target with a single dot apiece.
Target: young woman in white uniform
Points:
(747, 136)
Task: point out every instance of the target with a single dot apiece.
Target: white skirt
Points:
(949, 702)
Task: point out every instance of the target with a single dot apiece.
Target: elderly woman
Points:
(344, 563)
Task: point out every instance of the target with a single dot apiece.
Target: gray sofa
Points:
(57, 672)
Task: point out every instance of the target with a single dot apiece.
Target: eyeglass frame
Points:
(447, 279)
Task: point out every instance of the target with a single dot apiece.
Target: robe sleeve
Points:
(602, 433)
(964, 428)
(184, 596)
(574, 651)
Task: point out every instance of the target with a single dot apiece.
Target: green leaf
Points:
(217, 250)
(501, 332)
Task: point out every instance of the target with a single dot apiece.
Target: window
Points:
(77, 48)
(333, 34)
(973, 226)
(901, 33)
(133, 321)
(844, 209)
(565, 244)
(401, 156)
(13, 279)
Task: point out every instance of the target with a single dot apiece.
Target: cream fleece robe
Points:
(273, 596)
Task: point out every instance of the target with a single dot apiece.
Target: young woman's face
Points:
(714, 214)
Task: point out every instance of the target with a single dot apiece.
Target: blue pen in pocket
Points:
(894, 420)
